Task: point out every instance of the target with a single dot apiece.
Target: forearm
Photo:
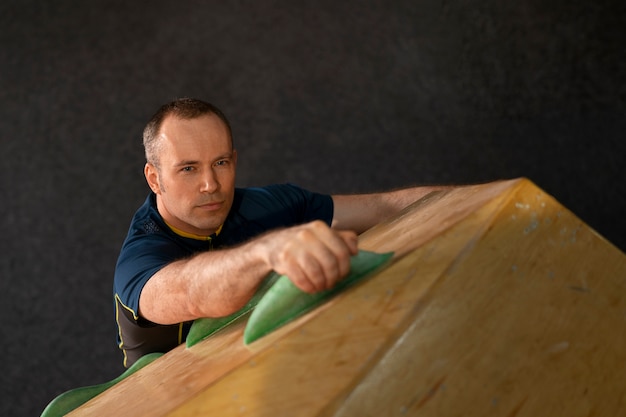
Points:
(210, 284)
(360, 212)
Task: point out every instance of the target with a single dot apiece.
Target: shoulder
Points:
(279, 205)
(147, 219)
(278, 197)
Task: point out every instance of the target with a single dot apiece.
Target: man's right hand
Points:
(313, 256)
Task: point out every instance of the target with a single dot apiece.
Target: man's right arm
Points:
(218, 283)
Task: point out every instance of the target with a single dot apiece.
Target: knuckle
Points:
(305, 234)
(318, 225)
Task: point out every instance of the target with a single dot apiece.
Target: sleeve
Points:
(303, 205)
(140, 258)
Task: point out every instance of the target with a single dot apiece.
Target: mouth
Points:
(211, 206)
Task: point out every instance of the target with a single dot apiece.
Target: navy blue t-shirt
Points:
(151, 244)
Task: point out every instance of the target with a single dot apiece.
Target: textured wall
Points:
(335, 96)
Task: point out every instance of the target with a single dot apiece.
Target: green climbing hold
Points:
(285, 302)
(72, 399)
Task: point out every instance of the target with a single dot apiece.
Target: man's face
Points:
(195, 180)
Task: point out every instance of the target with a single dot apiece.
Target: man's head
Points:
(191, 165)
(182, 108)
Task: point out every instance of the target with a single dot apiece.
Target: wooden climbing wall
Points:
(499, 301)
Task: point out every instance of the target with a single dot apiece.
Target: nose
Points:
(210, 183)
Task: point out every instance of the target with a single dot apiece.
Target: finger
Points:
(320, 265)
(315, 247)
(307, 275)
(342, 245)
(299, 263)
(300, 280)
(351, 239)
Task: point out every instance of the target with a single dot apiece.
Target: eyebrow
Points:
(184, 163)
(196, 162)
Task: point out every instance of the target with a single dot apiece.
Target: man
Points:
(199, 247)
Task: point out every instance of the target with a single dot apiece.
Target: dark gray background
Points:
(337, 96)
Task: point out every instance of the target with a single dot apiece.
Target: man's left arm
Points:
(360, 212)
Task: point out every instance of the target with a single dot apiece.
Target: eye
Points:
(187, 169)
(222, 162)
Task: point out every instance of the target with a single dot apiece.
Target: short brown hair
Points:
(184, 108)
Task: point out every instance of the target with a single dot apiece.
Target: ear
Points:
(235, 157)
(152, 177)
